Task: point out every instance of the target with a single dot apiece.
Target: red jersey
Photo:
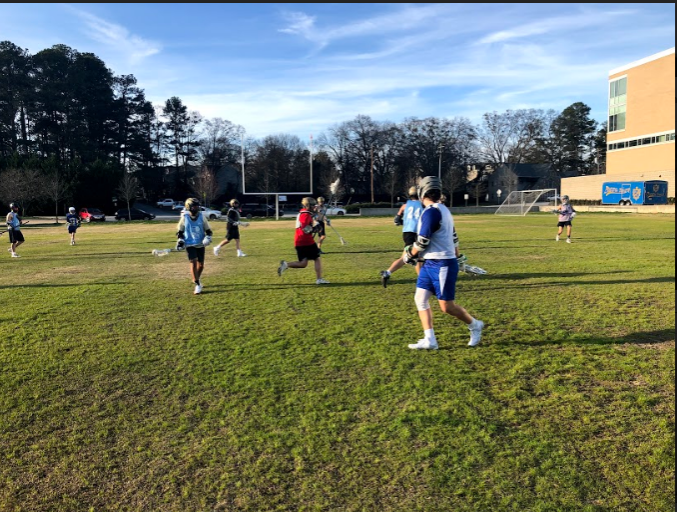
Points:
(301, 239)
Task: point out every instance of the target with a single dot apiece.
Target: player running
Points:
(14, 222)
(566, 214)
(233, 229)
(322, 222)
(304, 242)
(435, 244)
(194, 234)
(73, 221)
(407, 217)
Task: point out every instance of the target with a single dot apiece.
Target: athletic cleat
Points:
(322, 281)
(424, 345)
(283, 266)
(198, 289)
(568, 240)
(15, 255)
(476, 334)
(217, 250)
(557, 238)
(241, 255)
(384, 278)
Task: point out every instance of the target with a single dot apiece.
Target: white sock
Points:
(388, 273)
(429, 335)
(473, 324)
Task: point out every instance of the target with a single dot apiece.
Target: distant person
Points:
(566, 214)
(304, 242)
(407, 217)
(234, 222)
(73, 221)
(194, 234)
(322, 222)
(14, 222)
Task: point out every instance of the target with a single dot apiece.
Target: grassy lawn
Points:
(120, 390)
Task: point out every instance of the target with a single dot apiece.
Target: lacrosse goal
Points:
(521, 202)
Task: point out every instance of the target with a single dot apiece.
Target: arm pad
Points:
(422, 243)
(181, 235)
(209, 232)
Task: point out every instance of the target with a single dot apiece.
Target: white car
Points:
(211, 214)
(336, 210)
(165, 203)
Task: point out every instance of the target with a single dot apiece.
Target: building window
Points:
(643, 141)
(617, 104)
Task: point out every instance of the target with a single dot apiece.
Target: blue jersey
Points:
(72, 220)
(437, 225)
(195, 230)
(412, 212)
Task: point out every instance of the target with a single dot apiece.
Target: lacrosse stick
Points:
(343, 241)
(7, 230)
(469, 269)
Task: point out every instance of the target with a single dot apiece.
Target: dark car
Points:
(136, 214)
(250, 210)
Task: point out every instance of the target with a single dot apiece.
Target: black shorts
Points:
(196, 253)
(233, 233)
(322, 230)
(15, 236)
(564, 223)
(72, 229)
(308, 252)
(409, 238)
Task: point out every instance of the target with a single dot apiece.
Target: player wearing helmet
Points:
(322, 221)
(233, 228)
(304, 242)
(194, 234)
(73, 221)
(566, 214)
(435, 244)
(407, 217)
(14, 222)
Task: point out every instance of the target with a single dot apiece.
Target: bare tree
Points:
(452, 181)
(477, 189)
(206, 186)
(129, 186)
(55, 187)
(23, 186)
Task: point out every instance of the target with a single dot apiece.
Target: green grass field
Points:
(120, 390)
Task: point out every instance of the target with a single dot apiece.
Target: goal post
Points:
(521, 202)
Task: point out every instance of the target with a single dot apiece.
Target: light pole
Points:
(372, 174)
(440, 149)
(466, 197)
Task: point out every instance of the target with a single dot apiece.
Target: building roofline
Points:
(650, 58)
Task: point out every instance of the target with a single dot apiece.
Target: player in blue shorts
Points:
(435, 244)
(407, 217)
(73, 221)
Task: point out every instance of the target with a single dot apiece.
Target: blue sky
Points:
(302, 68)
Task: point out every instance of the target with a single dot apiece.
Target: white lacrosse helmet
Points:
(71, 210)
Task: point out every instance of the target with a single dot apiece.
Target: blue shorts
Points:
(72, 229)
(439, 277)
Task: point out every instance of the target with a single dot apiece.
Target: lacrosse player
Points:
(304, 242)
(566, 214)
(436, 245)
(322, 221)
(16, 237)
(73, 221)
(233, 229)
(194, 234)
(407, 217)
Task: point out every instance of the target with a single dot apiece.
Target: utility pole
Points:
(439, 172)
(372, 174)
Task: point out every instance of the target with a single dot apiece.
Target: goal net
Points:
(521, 202)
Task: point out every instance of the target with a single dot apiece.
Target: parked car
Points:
(250, 210)
(335, 210)
(178, 205)
(136, 214)
(169, 203)
(91, 215)
(210, 212)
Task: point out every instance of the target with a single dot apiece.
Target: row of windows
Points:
(643, 141)
(617, 100)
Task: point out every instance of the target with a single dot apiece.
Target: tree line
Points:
(71, 131)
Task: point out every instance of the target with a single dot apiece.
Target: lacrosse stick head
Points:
(474, 270)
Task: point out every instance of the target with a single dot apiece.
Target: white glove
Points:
(573, 215)
(207, 241)
(308, 229)
(244, 224)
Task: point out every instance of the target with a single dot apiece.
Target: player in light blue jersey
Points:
(194, 234)
(436, 244)
(408, 218)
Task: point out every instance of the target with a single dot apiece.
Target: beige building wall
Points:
(650, 111)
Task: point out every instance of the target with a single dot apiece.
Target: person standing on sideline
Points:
(436, 245)
(233, 229)
(566, 214)
(304, 242)
(322, 222)
(194, 234)
(407, 217)
(73, 221)
(14, 222)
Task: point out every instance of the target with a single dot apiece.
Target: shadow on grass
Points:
(556, 284)
(53, 285)
(563, 275)
(636, 338)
